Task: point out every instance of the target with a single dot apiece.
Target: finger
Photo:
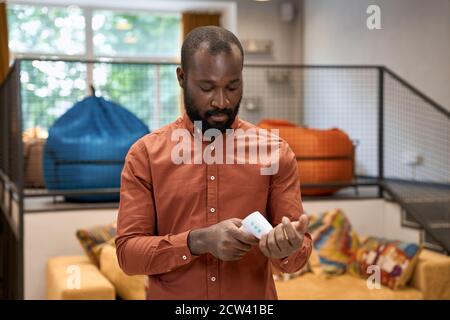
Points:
(280, 238)
(236, 221)
(263, 246)
(237, 245)
(231, 258)
(271, 243)
(236, 257)
(302, 224)
(244, 237)
(293, 237)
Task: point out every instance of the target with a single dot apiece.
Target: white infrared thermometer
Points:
(256, 224)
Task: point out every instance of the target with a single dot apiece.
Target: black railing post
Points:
(380, 130)
(20, 184)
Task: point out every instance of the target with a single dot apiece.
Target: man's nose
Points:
(220, 100)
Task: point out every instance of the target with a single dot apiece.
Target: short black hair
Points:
(218, 40)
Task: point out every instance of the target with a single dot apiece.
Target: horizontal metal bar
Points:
(338, 198)
(79, 206)
(104, 58)
(418, 183)
(325, 158)
(150, 62)
(311, 66)
(72, 192)
(97, 61)
(353, 183)
(65, 162)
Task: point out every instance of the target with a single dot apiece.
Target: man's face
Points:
(213, 87)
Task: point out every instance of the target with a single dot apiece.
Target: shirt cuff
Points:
(298, 259)
(181, 253)
(180, 241)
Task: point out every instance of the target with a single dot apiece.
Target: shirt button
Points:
(213, 279)
(212, 210)
(184, 257)
(212, 148)
(213, 178)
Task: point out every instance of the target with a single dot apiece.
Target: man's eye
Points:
(206, 89)
(232, 88)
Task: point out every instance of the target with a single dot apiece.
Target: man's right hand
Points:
(223, 240)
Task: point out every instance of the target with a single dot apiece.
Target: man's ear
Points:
(180, 77)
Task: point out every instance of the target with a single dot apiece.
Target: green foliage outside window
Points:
(49, 89)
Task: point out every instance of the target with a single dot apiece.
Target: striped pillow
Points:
(334, 241)
(91, 240)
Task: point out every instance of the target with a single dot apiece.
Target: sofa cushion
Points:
(344, 287)
(91, 238)
(76, 278)
(127, 287)
(432, 275)
(395, 259)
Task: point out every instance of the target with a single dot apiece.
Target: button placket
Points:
(212, 218)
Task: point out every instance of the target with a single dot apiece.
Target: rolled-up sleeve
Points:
(139, 250)
(285, 200)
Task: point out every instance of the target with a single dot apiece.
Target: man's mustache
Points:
(216, 112)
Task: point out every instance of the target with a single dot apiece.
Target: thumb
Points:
(236, 221)
(302, 224)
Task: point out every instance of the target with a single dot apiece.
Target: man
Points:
(179, 222)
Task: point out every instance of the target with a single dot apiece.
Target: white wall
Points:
(414, 40)
(261, 20)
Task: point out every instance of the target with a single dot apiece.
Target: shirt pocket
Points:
(246, 177)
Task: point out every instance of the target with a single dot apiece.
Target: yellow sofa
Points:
(430, 280)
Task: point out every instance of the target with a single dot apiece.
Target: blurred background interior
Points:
(366, 111)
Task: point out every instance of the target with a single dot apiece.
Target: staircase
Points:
(425, 208)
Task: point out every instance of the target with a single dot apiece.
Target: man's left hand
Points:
(285, 238)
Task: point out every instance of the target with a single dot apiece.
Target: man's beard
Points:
(194, 115)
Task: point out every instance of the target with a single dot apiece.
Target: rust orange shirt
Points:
(161, 202)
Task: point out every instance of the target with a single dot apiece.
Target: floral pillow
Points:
(394, 260)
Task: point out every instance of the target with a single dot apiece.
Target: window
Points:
(46, 30)
(49, 88)
(129, 35)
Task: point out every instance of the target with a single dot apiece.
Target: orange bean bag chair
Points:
(323, 156)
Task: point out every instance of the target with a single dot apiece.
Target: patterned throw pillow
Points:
(334, 241)
(395, 259)
(92, 239)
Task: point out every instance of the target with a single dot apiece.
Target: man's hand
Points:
(285, 238)
(223, 240)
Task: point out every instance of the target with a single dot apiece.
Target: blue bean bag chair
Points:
(86, 148)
